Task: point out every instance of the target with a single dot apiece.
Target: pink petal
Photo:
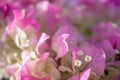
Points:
(43, 57)
(108, 48)
(11, 69)
(63, 40)
(74, 56)
(42, 45)
(18, 14)
(96, 67)
(82, 76)
(61, 46)
(97, 63)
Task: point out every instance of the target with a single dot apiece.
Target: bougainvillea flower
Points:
(63, 40)
(104, 30)
(56, 50)
(107, 31)
(43, 69)
(49, 21)
(21, 21)
(83, 58)
(90, 58)
(23, 28)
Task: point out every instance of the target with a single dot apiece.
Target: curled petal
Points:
(61, 46)
(64, 40)
(42, 45)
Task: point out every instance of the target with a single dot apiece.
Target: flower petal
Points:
(82, 76)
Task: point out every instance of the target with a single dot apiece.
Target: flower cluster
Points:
(60, 39)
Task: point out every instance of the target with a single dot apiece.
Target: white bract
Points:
(21, 39)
